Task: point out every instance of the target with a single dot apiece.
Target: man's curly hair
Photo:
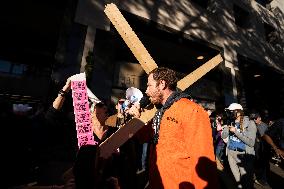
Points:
(166, 74)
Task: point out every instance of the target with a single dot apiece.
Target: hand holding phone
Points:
(232, 129)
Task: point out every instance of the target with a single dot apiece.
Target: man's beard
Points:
(157, 98)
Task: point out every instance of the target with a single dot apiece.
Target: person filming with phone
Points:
(241, 133)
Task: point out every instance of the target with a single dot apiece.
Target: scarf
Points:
(175, 96)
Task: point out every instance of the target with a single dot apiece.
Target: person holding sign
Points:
(100, 131)
(99, 114)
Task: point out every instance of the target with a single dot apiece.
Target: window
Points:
(18, 69)
(264, 3)
(5, 66)
(272, 37)
(269, 32)
(242, 17)
(201, 3)
(12, 68)
(213, 6)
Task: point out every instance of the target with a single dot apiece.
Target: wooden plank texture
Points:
(130, 38)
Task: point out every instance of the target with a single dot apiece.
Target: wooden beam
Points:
(191, 78)
(126, 132)
(148, 64)
(130, 38)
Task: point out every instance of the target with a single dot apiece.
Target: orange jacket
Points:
(184, 156)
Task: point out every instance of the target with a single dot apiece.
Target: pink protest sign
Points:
(79, 96)
(82, 117)
(83, 128)
(81, 106)
(79, 85)
(81, 110)
(86, 139)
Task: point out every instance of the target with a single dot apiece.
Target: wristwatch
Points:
(62, 93)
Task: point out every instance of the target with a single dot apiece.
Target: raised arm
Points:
(59, 100)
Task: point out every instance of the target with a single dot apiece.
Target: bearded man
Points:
(181, 150)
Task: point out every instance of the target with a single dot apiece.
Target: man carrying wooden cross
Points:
(181, 152)
(182, 148)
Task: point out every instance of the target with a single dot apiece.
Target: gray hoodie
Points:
(247, 136)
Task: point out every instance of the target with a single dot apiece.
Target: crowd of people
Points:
(178, 148)
(246, 144)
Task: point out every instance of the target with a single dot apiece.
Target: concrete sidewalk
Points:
(275, 178)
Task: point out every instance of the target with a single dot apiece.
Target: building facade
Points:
(248, 33)
(182, 35)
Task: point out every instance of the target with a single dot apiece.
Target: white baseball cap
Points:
(235, 106)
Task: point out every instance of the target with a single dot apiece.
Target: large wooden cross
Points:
(148, 64)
